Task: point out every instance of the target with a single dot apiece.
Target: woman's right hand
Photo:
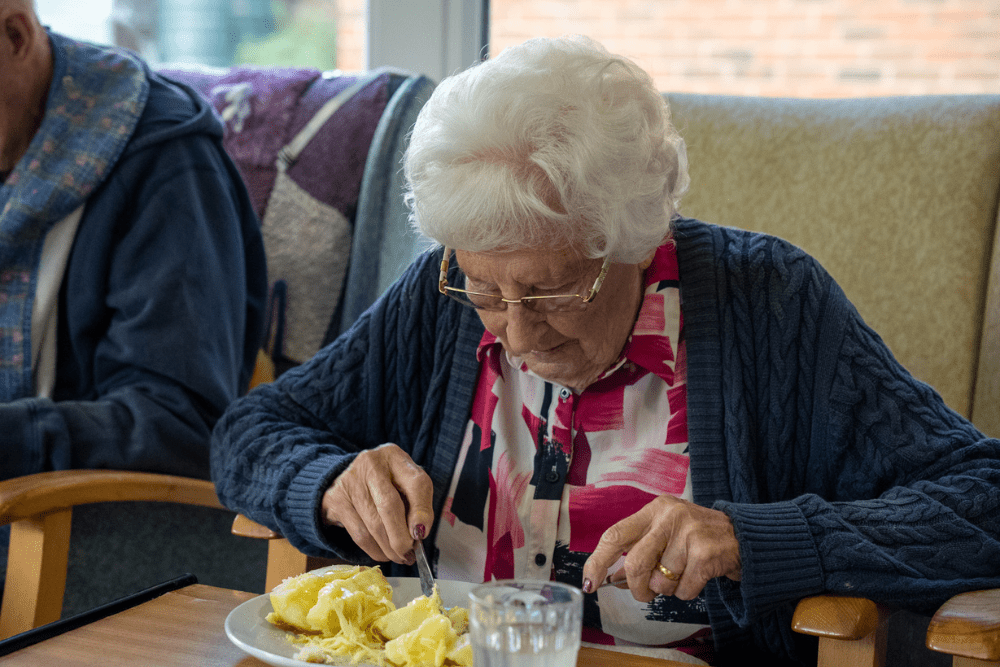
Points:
(384, 501)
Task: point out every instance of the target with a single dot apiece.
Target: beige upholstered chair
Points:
(896, 197)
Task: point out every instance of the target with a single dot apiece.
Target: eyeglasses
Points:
(549, 303)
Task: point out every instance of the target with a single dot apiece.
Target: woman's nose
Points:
(525, 329)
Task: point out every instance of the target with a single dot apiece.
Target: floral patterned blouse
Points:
(544, 470)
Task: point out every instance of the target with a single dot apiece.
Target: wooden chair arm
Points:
(42, 493)
(39, 508)
(283, 560)
(836, 617)
(968, 626)
(245, 527)
(851, 630)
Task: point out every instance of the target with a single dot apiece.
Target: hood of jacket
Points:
(178, 111)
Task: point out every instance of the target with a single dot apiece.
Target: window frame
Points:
(436, 38)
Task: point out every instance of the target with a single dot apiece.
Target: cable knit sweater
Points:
(840, 471)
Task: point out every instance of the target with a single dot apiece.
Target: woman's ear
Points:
(644, 264)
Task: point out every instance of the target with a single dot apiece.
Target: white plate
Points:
(246, 627)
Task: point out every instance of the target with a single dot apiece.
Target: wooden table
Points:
(184, 628)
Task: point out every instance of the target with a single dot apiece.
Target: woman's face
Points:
(571, 348)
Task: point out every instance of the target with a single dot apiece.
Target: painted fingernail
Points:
(419, 531)
(588, 585)
(411, 558)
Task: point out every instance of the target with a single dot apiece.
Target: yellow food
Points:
(345, 615)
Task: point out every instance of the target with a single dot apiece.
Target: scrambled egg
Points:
(345, 615)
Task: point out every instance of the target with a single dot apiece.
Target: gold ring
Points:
(668, 573)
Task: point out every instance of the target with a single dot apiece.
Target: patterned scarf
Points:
(95, 100)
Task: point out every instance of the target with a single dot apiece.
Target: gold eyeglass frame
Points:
(444, 288)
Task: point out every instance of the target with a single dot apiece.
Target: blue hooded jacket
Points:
(161, 307)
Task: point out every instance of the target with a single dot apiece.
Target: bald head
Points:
(27, 6)
(25, 75)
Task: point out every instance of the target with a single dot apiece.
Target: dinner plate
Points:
(247, 628)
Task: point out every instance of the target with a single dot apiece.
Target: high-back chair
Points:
(898, 198)
(321, 155)
(337, 140)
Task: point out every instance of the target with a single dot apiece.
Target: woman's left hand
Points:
(690, 542)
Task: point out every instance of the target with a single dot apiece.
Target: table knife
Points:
(426, 577)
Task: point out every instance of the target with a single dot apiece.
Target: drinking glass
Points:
(525, 624)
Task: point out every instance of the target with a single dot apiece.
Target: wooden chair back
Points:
(39, 509)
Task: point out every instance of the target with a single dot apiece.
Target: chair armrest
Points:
(244, 527)
(45, 492)
(283, 560)
(968, 625)
(852, 631)
(836, 617)
(39, 508)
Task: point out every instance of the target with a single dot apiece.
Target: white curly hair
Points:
(553, 142)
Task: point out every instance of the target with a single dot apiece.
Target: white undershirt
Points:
(44, 312)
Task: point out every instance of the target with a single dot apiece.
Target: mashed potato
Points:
(345, 615)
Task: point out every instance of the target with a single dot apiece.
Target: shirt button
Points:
(539, 559)
(552, 477)
(564, 393)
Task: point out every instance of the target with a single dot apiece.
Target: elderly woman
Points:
(578, 384)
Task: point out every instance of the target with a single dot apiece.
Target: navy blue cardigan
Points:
(840, 471)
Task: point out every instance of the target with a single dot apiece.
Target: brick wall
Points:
(350, 34)
(797, 48)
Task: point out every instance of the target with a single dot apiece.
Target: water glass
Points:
(525, 624)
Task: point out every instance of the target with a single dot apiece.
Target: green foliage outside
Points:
(305, 36)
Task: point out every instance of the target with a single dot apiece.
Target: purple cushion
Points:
(263, 109)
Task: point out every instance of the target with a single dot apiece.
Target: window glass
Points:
(794, 48)
(82, 19)
(304, 33)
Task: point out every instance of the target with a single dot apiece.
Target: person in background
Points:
(579, 382)
(132, 271)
